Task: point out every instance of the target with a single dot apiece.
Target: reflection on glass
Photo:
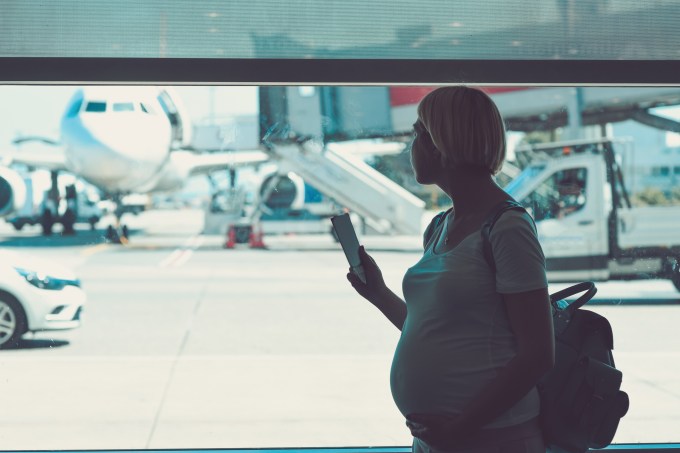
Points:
(216, 310)
(430, 29)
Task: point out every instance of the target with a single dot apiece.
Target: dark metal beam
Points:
(659, 122)
(337, 71)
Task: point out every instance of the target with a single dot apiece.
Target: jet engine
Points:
(288, 194)
(12, 191)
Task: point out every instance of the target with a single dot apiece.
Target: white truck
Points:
(586, 224)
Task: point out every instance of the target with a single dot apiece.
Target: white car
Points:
(36, 295)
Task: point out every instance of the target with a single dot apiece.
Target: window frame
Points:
(78, 71)
(153, 71)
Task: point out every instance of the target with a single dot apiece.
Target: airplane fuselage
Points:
(117, 138)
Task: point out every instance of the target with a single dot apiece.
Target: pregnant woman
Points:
(474, 341)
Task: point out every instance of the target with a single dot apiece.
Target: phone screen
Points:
(348, 238)
(350, 244)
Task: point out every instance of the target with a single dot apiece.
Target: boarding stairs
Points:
(383, 205)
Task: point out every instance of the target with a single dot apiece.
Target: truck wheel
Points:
(12, 321)
(68, 221)
(675, 276)
(47, 222)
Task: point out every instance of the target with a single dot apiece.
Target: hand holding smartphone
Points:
(349, 242)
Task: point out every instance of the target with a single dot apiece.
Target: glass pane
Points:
(195, 336)
(431, 29)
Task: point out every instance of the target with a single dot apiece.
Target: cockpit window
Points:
(123, 107)
(95, 106)
(147, 108)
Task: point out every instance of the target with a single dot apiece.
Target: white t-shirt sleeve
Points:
(520, 263)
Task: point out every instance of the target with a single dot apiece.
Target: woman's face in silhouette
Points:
(424, 155)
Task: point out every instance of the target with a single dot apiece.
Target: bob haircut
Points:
(465, 126)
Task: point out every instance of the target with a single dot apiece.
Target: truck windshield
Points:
(518, 184)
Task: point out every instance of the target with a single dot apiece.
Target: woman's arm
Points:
(392, 306)
(376, 291)
(530, 318)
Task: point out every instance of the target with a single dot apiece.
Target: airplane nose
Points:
(115, 153)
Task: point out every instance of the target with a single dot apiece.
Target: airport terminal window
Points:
(146, 109)
(188, 343)
(193, 335)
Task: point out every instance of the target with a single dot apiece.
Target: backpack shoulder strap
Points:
(432, 227)
(497, 211)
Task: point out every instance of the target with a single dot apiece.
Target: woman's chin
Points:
(424, 180)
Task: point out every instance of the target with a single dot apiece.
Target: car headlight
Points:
(43, 281)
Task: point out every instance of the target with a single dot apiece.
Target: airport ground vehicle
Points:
(586, 223)
(36, 295)
(80, 204)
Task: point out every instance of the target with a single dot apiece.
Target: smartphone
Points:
(350, 244)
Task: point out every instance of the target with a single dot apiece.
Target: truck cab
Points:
(586, 224)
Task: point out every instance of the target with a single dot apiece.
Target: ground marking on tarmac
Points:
(181, 255)
(95, 249)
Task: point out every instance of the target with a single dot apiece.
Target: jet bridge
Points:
(384, 205)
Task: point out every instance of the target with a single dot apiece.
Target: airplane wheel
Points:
(18, 226)
(111, 234)
(124, 232)
(12, 321)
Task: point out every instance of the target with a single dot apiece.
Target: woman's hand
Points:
(441, 432)
(375, 284)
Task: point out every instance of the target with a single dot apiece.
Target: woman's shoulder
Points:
(434, 223)
(514, 219)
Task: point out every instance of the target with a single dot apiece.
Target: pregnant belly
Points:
(436, 377)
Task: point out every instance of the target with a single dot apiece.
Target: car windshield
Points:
(519, 184)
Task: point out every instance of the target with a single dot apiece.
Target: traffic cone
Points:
(256, 238)
(231, 238)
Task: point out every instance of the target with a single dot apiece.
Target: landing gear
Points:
(68, 219)
(118, 233)
(51, 208)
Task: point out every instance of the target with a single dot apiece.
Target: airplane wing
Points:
(37, 152)
(209, 162)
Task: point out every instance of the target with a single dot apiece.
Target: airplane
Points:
(122, 140)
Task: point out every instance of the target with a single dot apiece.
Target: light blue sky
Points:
(38, 109)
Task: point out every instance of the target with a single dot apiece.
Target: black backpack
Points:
(581, 400)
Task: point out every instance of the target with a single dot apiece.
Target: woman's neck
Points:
(471, 190)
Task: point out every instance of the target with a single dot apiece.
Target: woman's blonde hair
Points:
(465, 126)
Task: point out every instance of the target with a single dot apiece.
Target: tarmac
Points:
(188, 345)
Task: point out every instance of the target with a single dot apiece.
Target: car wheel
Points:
(12, 321)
